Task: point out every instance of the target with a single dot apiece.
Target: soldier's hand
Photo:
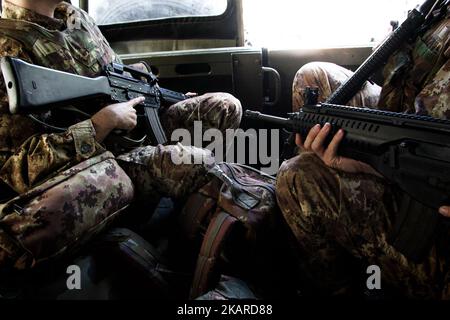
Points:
(121, 116)
(315, 142)
(445, 211)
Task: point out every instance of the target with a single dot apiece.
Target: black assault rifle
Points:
(32, 89)
(411, 151)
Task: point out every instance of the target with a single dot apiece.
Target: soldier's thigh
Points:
(344, 206)
(327, 77)
(171, 171)
(325, 208)
(307, 193)
(215, 110)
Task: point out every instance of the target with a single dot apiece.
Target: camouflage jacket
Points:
(417, 77)
(69, 42)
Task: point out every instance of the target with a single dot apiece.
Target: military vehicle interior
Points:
(249, 48)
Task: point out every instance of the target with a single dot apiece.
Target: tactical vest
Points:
(80, 48)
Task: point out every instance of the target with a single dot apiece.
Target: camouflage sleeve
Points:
(38, 156)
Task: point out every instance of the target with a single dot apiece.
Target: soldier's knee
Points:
(309, 69)
(233, 109)
(306, 76)
(227, 110)
(229, 100)
(313, 72)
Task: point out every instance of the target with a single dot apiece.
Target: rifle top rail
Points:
(358, 113)
(326, 107)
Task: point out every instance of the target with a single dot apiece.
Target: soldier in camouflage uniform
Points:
(69, 40)
(27, 156)
(341, 210)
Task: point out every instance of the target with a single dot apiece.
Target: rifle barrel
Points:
(254, 115)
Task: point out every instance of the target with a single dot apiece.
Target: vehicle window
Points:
(321, 23)
(76, 3)
(117, 11)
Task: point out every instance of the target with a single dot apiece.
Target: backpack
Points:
(233, 219)
(61, 214)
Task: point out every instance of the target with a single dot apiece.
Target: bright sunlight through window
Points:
(289, 24)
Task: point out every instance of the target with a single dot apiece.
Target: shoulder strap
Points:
(199, 208)
(218, 230)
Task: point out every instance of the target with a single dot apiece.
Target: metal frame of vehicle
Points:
(227, 26)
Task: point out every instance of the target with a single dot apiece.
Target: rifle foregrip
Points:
(172, 97)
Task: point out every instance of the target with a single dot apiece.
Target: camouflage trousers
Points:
(339, 218)
(151, 168)
(328, 77)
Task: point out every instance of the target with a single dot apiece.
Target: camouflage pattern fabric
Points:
(63, 212)
(328, 77)
(27, 154)
(338, 217)
(215, 110)
(417, 77)
(152, 170)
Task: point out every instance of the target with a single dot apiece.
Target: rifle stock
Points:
(32, 89)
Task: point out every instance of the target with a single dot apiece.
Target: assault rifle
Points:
(412, 152)
(33, 88)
